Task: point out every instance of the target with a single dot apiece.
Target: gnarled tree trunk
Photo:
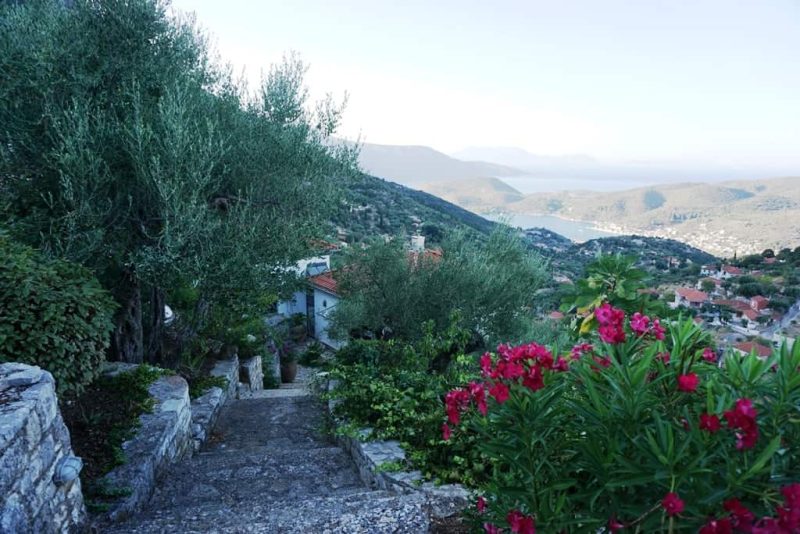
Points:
(155, 327)
(127, 338)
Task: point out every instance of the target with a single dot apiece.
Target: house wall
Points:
(297, 304)
(324, 303)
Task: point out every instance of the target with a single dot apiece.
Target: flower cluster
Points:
(611, 322)
(519, 523)
(642, 326)
(523, 364)
(743, 419)
(743, 520)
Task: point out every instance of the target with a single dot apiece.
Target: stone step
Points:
(265, 475)
(357, 513)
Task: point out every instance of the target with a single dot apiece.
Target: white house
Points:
(322, 300)
(317, 301)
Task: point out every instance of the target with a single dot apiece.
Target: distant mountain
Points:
(522, 159)
(721, 218)
(476, 194)
(415, 165)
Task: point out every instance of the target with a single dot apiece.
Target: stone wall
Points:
(207, 407)
(34, 445)
(252, 374)
(373, 457)
(163, 438)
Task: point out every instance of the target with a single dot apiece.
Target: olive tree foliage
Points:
(125, 147)
(488, 287)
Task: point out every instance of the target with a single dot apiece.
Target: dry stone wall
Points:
(36, 456)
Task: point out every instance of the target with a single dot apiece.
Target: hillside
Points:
(725, 218)
(415, 165)
(475, 193)
(373, 207)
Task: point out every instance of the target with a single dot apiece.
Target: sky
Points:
(705, 81)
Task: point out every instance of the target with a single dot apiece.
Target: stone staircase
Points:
(268, 467)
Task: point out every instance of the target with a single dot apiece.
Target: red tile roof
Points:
(748, 347)
(750, 314)
(325, 282)
(759, 303)
(730, 269)
(692, 295)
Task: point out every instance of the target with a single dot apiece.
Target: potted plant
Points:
(288, 365)
(297, 327)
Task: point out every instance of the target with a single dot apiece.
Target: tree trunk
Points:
(155, 331)
(127, 340)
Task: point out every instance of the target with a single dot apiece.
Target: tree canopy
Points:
(123, 146)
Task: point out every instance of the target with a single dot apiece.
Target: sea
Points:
(577, 231)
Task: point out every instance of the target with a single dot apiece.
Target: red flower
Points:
(688, 383)
(446, 432)
(612, 334)
(709, 355)
(534, 380)
(520, 523)
(614, 525)
(717, 526)
(486, 364)
(456, 402)
(580, 350)
(478, 394)
(743, 417)
(672, 504)
(481, 505)
(611, 324)
(710, 423)
(741, 517)
(489, 528)
(500, 392)
(664, 357)
(602, 361)
(561, 365)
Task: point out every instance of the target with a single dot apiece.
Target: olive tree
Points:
(125, 147)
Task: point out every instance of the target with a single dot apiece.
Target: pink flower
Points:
(580, 350)
(602, 361)
(710, 423)
(604, 313)
(481, 505)
(640, 324)
(489, 528)
(664, 357)
(657, 330)
(717, 526)
(614, 525)
(520, 523)
(688, 383)
(561, 365)
(611, 324)
(446, 432)
(500, 392)
(672, 504)
(709, 355)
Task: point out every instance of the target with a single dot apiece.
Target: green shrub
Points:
(53, 314)
(638, 431)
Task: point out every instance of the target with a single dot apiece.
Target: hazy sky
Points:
(690, 80)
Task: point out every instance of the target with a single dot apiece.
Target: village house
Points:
(688, 297)
(748, 347)
(759, 303)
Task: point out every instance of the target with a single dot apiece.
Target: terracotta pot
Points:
(288, 372)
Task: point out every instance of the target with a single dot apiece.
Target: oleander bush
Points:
(638, 429)
(53, 314)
